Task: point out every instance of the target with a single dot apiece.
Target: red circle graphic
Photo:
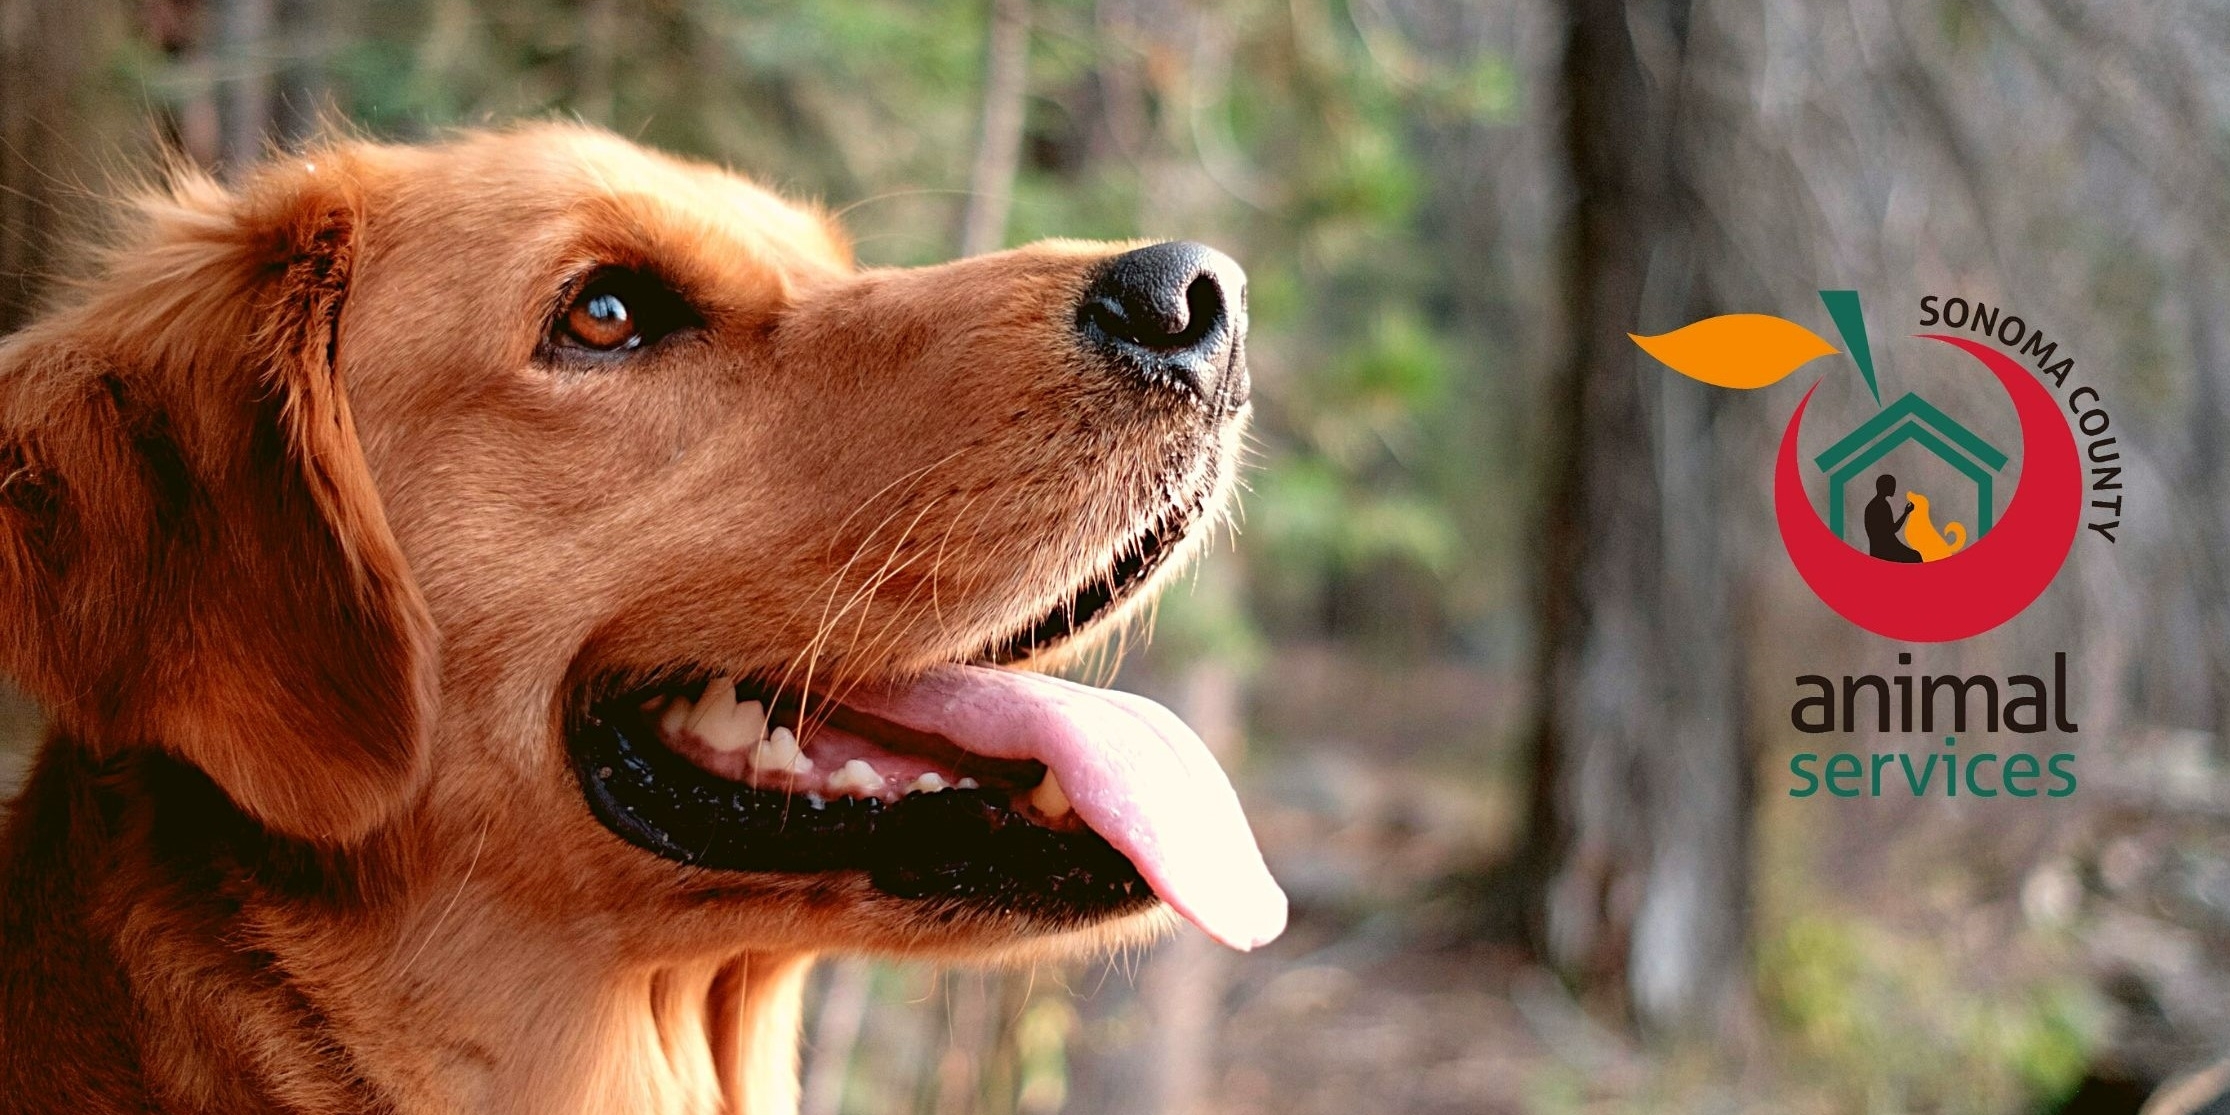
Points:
(1984, 584)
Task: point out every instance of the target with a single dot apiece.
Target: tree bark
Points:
(243, 48)
(1006, 86)
(844, 1002)
(594, 97)
(44, 50)
(1638, 849)
(1184, 984)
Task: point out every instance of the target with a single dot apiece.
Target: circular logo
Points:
(1983, 583)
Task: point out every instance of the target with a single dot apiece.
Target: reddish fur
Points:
(305, 553)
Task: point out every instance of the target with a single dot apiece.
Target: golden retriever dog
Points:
(505, 606)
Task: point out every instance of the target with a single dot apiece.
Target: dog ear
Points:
(192, 552)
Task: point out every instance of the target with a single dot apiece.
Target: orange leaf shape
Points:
(1736, 350)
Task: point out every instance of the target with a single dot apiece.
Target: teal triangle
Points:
(1842, 305)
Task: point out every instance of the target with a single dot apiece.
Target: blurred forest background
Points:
(1504, 652)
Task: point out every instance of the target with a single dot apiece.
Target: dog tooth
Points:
(718, 703)
(968, 784)
(856, 778)
(776, 752)
(1048, 797)
(801, 766)
(675, 718)
(753, 716)
(929, 783)
(723, 734)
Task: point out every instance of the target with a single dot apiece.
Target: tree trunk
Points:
(244, 50)
(1639, 825)
(844, 1002)
(1006, 86)
(44, 51)
(1184, 983)
(594, 63)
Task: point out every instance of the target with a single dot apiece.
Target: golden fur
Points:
(305, 549)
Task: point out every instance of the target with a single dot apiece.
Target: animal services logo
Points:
(1997, 522)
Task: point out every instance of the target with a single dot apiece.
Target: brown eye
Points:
(619, 310)
(600, 319)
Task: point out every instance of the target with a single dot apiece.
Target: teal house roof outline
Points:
(1911, 418)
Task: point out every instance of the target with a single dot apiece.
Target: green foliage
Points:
(1312, 514)
(1894, 1025)
(1041, 1041)
(1341, 496)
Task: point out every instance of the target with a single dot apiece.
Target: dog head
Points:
(535, 498)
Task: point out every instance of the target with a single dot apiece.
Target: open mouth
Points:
(991, 789)
(717, 781)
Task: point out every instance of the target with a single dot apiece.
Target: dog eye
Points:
(601, 321)
(618, 311)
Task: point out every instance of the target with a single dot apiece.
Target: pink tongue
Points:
(1134, 772)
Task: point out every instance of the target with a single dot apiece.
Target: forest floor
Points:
(1931, 954)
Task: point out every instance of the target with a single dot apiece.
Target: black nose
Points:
(1174, 315)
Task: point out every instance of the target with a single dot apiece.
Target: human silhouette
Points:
(1882, 525)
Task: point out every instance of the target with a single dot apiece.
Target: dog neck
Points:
(163, 955)
(704, 1036)
(711, 1036)
(717, 1035)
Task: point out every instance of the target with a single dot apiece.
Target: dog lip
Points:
(1136, 561)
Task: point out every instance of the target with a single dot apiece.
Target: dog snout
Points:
(1172, 315)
